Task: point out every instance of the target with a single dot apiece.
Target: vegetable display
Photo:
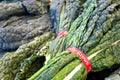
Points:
(86, 39)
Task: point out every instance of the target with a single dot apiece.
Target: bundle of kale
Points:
(25, 61)
(21, 22)
(95, 31)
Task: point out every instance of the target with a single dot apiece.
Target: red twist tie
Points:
(82, 56)
(62, 33)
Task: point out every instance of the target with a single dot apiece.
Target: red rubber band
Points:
(50, 1)
(62, 33)
(82, 56)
